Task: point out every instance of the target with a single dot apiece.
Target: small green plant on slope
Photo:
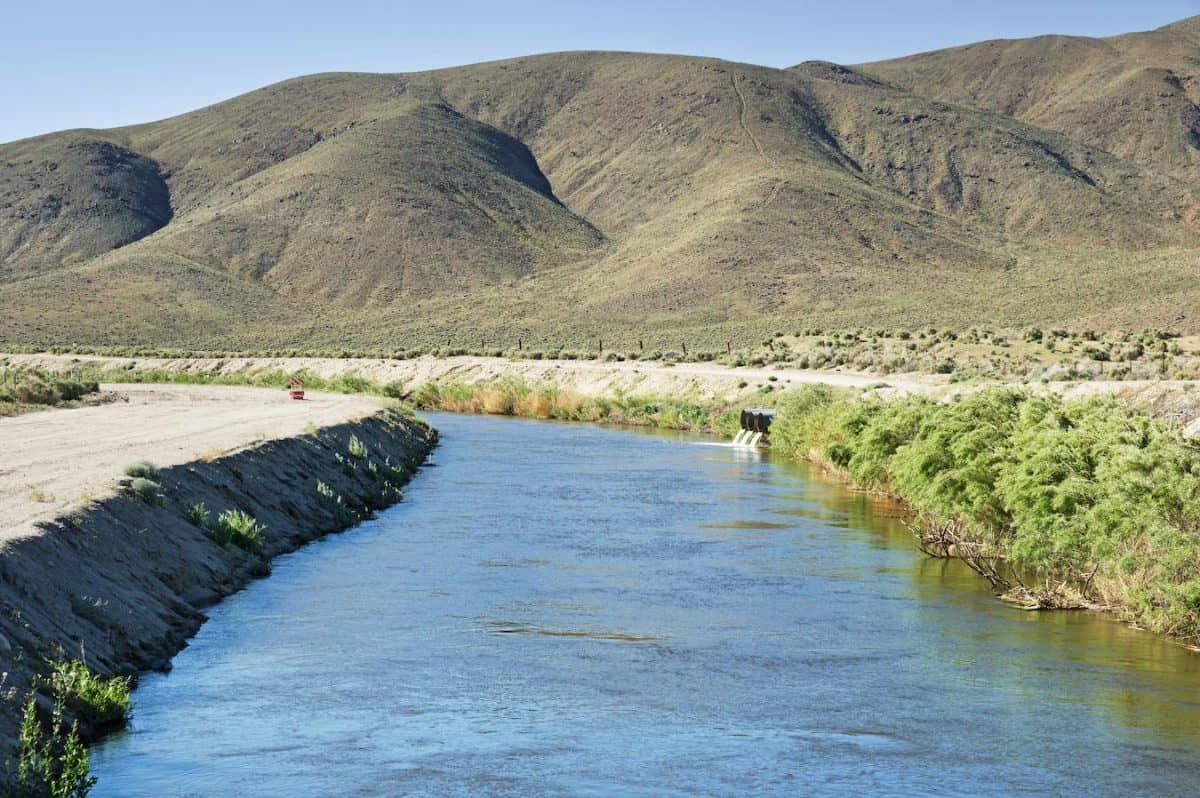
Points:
(102, 701)
(357, 449)
(343, 514)
(142, 468)
(52, 762)
(197, 515)
(145, 489)
(239, 528)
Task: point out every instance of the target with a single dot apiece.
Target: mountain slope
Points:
(65, 199)
(1135, 96)
(575, 196)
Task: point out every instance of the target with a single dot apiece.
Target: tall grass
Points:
(52, 760)
(1086, 502)
(512, 396)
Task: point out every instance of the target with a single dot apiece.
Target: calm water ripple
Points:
(570, 610)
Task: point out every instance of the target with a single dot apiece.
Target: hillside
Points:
(568, 197)
(1134, 95)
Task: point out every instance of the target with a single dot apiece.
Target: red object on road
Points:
(296, 388)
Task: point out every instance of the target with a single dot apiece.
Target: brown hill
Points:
(572, 196)
(1134, 95)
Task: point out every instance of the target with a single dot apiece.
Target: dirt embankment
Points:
(122, 580)
(587, 377)
(1177, 400)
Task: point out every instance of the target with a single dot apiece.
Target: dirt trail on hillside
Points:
(54, 460)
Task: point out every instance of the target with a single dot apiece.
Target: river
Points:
(561, 609)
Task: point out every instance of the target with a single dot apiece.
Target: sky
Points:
(102, 64)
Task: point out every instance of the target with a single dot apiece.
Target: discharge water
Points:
(572, 610)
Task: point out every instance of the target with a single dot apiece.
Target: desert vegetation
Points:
(238, 528)
(52, 759)
(515, 397)
(962, 354)
(141, 468)
(23, 389)
(232, 527)
(1059, 503)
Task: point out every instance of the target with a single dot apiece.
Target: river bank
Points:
(1060, 503)
(696, 381)
(699, 383)
(120, 578)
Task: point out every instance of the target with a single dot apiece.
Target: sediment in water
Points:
(122, 582)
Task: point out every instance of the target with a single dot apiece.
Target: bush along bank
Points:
(511, 396)
(507, 396)
(24, 389)
(1059, 503)
(121, 583)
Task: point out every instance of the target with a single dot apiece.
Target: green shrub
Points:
(893, 425)
(101, 701)
(145, 489)
(805, 420)
(197, 515)
(52, 762)
(357, 448)
(239, 528)
(141, 468)
(36, 386)
(1084, 494)
(951, 466)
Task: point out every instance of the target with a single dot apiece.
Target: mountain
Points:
(1134, 95)
(568, 197)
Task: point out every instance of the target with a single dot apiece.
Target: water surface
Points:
(571, 610)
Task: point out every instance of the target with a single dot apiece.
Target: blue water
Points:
(571, 610)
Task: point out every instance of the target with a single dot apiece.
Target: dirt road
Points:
(54, 460)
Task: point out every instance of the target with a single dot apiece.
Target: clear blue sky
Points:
(100, 64)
